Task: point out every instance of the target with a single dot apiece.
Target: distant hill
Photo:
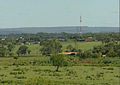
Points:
(68, 29)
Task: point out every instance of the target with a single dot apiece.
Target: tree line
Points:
(52, 47)
(26, 37)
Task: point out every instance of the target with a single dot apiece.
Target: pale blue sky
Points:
(39, 13)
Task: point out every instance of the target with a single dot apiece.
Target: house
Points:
(3, 39)
(89, 39)
(104, 56)
(69, 53)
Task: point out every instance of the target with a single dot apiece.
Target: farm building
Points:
(104, 56)
(89, 39)
(69, 53)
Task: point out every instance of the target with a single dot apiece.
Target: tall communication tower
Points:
(80, 25)
(76, 46)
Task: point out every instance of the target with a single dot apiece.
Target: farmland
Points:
(81, 45)
(36, 59)
(38, 70)
(35, 48)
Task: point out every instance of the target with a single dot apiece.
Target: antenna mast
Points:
(80, 25)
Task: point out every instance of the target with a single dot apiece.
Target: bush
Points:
(15, 57)
(3, 51)
(110, 68)
(96, 55)
(20, 77)
(105, 61)
(112, 54)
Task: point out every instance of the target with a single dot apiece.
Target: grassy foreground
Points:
(35, 71)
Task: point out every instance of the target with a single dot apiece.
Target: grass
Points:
(82, 45)
(70, 75)
(39, 70)
(34, 49)
(30, 73)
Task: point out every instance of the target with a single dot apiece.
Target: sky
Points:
(48, 13)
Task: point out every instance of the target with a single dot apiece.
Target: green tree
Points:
(111, 53)
(22, 50)
(51, 47)
(69, 48)
(96, 55)
(88, 54)
(58, 61)
(10, 47)
(3, 51)
(107, 39)
(29, 51)
(18, 52)
(85, 54)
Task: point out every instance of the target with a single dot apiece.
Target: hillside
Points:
(68, 29)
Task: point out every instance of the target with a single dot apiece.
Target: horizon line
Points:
(52, 26)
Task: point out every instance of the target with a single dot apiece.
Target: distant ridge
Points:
(67, 29)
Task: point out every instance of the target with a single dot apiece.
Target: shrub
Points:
(20, 77)
(112, 54)
(110, 68)
(96, 55)
(105, 61)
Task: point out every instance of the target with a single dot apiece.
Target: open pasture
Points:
(81, 45)
(35, 48)
(34, 71)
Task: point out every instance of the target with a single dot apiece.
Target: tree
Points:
(3, 51)
(96, 55)
(51, 47)
(58, 61)
(111, 53)
(85, 54)
(29, 51)
(88, 54)
(18, 52)
(45, 51)
(107, 39)
(69, 48)
(111, 49)
(22, 50)
(10, 47)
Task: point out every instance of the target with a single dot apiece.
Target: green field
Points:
(34, 49)
(37, 71)
(82, 45)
